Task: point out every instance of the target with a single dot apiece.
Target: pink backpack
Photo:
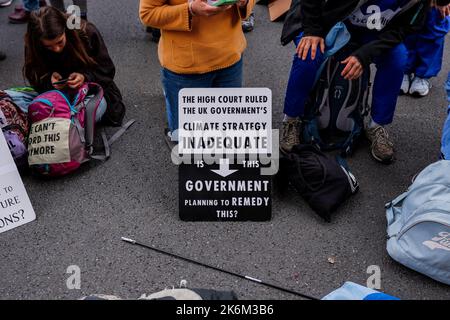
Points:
(62, 132)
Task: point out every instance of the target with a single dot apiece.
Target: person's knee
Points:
(397, 59)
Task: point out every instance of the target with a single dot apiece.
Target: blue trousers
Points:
(446, 132)
(31, 5)
(426, 49)
(230, 77)
(388, 80)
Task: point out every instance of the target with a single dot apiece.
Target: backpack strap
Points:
(121, 131)
(91, 111)
(107, 143)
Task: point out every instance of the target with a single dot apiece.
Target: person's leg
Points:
(300, 84)
(430, 52)
(388, 80)
(445, 148)
(172, 84)
(411, 46)
(230, 77)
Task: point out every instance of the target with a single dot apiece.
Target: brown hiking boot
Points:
(382, 148)
(290, 135)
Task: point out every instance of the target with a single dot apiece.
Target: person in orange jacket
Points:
(201, 46)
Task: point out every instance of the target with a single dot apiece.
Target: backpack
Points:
(62, 132)
(354, 291)
(322, 181)
(335, 111)
(15, 126)
(419, 224)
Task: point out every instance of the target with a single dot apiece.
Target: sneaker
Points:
(19, 17)
(382, 148)
(406, 84)
(420, 87)
(2, 56)
(5, 3)
(290, 135)
(248, 24)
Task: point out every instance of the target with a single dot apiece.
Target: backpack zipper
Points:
(415, 222)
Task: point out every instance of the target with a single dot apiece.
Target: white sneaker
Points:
(420, 87)
(5, 3)
(406, 84)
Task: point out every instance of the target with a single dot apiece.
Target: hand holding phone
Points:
(57, 81)
(63, 81)
(206, 8)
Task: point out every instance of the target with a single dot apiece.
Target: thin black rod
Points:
(220, 270)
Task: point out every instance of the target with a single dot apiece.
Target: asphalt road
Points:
(81, 218)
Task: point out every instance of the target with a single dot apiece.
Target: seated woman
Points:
(54, 52)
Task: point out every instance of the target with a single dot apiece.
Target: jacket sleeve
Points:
(311, 13)
(408, 23)
(104, 71)
(158, 14)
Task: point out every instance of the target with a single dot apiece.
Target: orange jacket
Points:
(198, 44)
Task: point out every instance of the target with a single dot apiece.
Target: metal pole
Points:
(220, 270)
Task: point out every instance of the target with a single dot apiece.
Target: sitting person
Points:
(53, 52)
(379, 27)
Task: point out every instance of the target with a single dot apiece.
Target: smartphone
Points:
(63, 81)
(219, 3)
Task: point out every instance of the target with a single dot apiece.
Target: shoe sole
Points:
(385, 161)
(6, 4)
(17, 21)
(418, 95)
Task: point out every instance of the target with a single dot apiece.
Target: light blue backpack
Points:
(419, 224)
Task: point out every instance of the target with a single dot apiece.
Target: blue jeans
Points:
(230, 77)
(31, 5)
(388, 80)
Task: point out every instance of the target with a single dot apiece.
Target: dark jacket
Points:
(102, 73)
(317, 17)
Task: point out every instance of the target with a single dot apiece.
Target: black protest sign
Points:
(236, 122)
(224, 192)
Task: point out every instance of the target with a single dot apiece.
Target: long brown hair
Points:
(49, 23)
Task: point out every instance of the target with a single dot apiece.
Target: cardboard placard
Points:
(15, 206)
(278, 8)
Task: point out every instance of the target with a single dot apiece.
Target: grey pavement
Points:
(81, 218)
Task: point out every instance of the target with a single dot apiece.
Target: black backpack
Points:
(322, 181)
(335, 111)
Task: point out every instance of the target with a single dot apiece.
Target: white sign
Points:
(15, 206)
(49, 141)
(225, 121)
